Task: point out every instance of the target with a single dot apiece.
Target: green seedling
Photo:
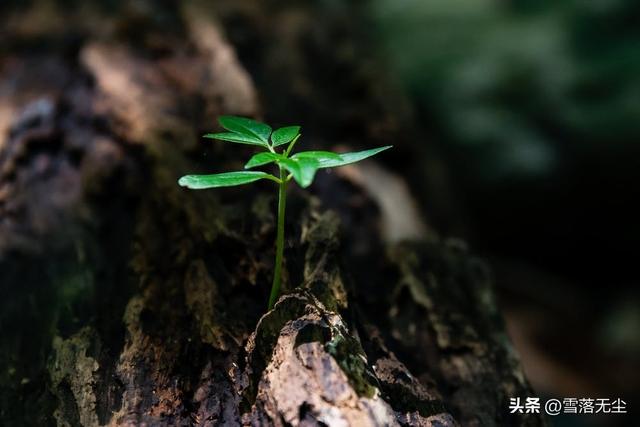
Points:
(278, 146)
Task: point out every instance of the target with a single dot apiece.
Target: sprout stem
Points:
(277, 273)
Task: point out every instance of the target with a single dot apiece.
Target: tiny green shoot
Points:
(277, 149)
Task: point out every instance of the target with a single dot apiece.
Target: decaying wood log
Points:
(127, 300)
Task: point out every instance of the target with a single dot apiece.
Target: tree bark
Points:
(127, 300)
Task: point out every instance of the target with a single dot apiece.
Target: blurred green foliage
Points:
(516, 83)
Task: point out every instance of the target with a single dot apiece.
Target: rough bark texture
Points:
(126, 300)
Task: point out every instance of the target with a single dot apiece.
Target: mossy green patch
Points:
(348, 352)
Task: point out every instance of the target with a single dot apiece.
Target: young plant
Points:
(278, 146)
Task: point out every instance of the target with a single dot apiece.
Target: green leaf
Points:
(236, 137)
(284, 135)
(302, 169)
(262, 159)
(227, 179)
(318, 155)
(246, 127)
(347, 158)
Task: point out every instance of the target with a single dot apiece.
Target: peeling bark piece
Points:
(311, 371)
